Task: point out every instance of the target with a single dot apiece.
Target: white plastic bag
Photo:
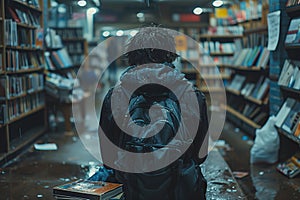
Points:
(266, 144)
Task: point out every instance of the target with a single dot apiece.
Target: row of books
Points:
(20, 36)
(293, 34)
(250, 110)
(258, 90)
(248, 57)
(58, 59)
(77, 59)
(34, 3)
(211, 83)
(52, 40)
(290, 75)
(20, 60)
(14, 86)
(246, 10)
(222, 60)
(20, 106)
(288, 117)
(226, 30)
(217, 47)
(292, 2)
(192, 54)
(75, 47)
(25, 17)
(70, 32)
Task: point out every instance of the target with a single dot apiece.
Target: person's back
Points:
(148, 114)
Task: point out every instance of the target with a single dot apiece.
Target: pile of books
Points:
(85, 189)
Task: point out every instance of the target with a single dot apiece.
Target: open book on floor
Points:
(85, 189)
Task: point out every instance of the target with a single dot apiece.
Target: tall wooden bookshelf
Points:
(23, 116)
(290, 92)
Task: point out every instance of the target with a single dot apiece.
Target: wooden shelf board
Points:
(233, 91)
(290, 136)
(246, 21)
(263, 28)
(24, 48)
(220, 54)
(73, 39)
(26, 114)
(240, 116)
(221, 36)
(211, 89)
(20, 144)
(292, 46)
(207, 65)
(22, 71)
(293, 10)
(64, 68)
(26, 26)
(27, 5)
(221, 76)
(54, 48)
(291, 90)
(244, 68)
(189, 71)
(253, 100)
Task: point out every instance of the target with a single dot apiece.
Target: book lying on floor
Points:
(85, 189)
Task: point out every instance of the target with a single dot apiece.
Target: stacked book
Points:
(85, 189)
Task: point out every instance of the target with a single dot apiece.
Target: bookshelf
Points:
(247, 93)
(65, 52)
(22, 94)
(288, 81)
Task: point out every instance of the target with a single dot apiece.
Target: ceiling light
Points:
(197, 11)
(217, 3)
(81, 3)
(133, 33)
(140, 15)
(91, 11)
(106, 33)
(120, 33)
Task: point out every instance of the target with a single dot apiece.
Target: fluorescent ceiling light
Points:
(120, 33)
(197, 11)
(140, 15)
(217, 3)
(81, 3)
(106, 33)
(133, 33)
(91, 11)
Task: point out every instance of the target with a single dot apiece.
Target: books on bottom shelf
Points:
(290, 75)
(290, 167)
(21, 106)
(85, 189)
(288, 117)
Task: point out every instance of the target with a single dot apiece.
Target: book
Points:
(284, 111)
(88, 189)
(291, 35)
(291, 119)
